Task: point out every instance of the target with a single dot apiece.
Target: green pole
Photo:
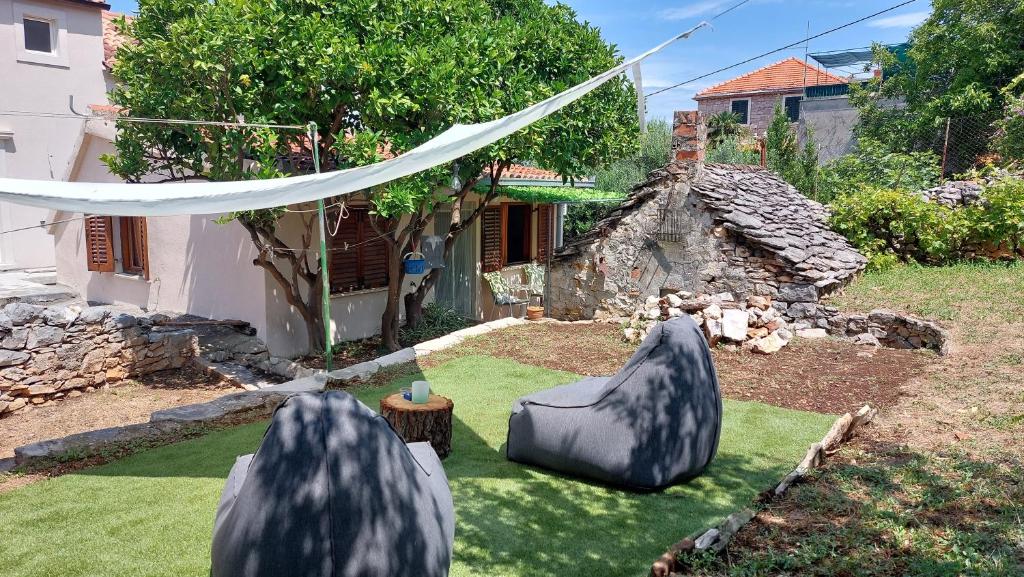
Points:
(325, 278)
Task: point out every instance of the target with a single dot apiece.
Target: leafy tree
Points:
(377, 77)
(871, 164)
(652, 151)
(960, 59)
(724, 125)
(1009, 137)
(731, 150)
(795, 164)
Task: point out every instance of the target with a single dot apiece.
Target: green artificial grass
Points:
(152, 513)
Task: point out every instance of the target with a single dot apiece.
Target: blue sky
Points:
(756, 27)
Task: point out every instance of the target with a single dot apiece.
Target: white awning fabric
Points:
(219, 197)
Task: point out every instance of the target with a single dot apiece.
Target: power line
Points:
(144, 120)
(786, 47)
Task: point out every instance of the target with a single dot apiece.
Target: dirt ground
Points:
(823, 375)
(121, 404)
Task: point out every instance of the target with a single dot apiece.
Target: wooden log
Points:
(835, 435)
(811, 460)
(426, 422)
(865, 415)
(732, 525)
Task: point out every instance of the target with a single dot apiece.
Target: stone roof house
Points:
(753, 95)
(704, 228)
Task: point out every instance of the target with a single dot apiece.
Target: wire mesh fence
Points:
(962, 143)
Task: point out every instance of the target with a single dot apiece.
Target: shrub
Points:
(438, 320)
(730, 150)
(890, 226)
(872, 164)
(795, 164)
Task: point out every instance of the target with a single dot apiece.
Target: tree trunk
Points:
(389, 320)
(430, 422)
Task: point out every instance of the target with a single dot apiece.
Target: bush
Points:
(795, 164)
(873, 165)
(890, 226)
(438, 320)
(730, 150)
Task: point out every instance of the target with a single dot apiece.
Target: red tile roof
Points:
(112, 38)
(520, 172)
(789, 74)
(97, 3)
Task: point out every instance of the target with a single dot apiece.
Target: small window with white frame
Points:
(41, 35)
(38, 35)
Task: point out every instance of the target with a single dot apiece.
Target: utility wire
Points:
(786, 47)
(144, 120)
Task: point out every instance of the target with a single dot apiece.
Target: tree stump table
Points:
(430, 421)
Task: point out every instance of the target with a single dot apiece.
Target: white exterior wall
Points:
(42, 148)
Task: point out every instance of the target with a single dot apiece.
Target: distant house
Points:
(52, 49)
(753, 96)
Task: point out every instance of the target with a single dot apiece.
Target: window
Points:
(742, 108)
(38, 37)
(507, 234)
(117, 244)
(359, 259)
(518, 235)
(792, 104)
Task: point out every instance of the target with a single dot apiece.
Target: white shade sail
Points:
(219, 197)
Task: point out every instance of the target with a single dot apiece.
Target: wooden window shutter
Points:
(344, 264)
(374, 255)
(99, 243)
(544, 236)
(364, 264)
(134, 245)
(491, 245)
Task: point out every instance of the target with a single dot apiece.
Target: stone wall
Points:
(52, 353)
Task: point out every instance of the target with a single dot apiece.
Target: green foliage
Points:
(730, 150)
(795, 164)
(961, 58)
(888, 226)
(653, 151)
(438, 320)
(723, 126)
(873, 165)
(1009, 136)
(891, 226)
(551, 194)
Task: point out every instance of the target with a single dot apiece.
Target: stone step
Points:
(240, 375)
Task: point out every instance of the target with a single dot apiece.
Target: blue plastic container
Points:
(415, 265)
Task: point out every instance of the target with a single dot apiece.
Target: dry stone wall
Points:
(52, 353)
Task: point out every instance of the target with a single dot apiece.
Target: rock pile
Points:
(954, 193)
(752, 324)
(50, 353)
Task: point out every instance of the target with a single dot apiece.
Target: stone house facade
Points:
(753, 96)
(705, 228)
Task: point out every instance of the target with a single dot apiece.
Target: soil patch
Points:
(125, 403)
(820, 375)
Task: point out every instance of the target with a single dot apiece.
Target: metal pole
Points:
(325, 289)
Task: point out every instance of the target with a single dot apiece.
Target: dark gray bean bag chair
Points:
(653, 424)
(334, 491)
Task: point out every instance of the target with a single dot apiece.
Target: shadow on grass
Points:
(510, 519)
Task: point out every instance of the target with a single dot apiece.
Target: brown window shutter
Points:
(491, 243)
(344, 264)
(134, 245)
(374, 255)
(99, 243)
(544, 215)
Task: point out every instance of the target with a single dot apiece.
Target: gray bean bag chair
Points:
(653, 424)
(334, 491)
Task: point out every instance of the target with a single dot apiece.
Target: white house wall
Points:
(42, 148)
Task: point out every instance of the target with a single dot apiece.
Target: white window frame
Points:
(58, 21)
(731, 100)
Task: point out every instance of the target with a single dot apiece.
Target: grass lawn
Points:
(152, 513)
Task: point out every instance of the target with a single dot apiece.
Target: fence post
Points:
(762, 145)
(945, 149)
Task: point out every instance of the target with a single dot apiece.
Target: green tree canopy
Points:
(378, 77)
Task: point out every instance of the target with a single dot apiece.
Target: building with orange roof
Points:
(754, 95)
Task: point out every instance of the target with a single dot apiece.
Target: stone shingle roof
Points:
(789, 74)
(760, 209)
